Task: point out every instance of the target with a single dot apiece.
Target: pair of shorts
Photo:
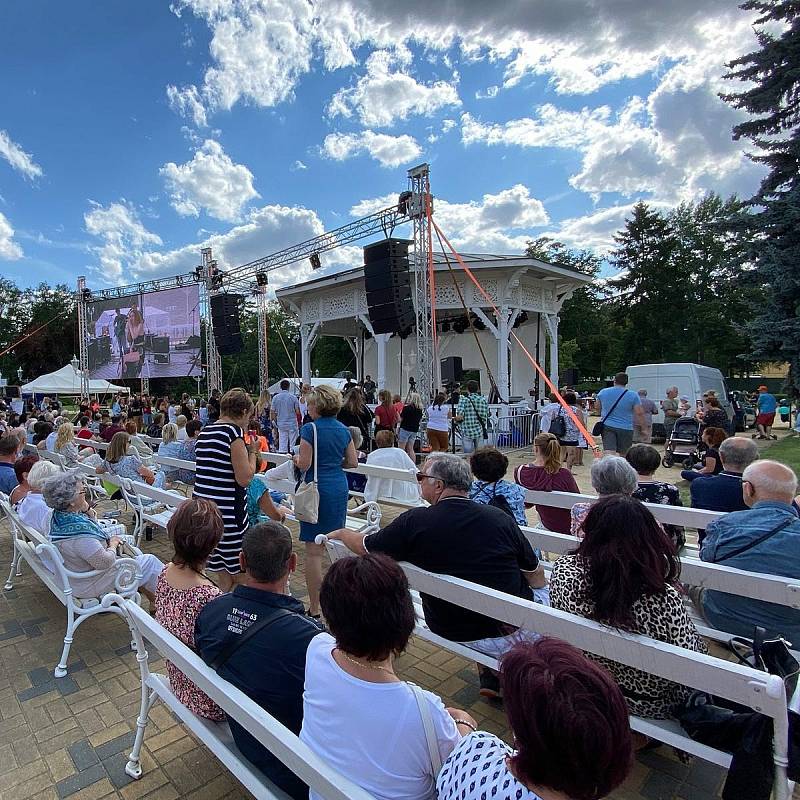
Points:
(766, 419)
(404, 436)
(617, 440)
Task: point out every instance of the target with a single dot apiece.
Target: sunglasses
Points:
(421, 477)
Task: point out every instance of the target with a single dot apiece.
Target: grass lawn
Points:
(787, 451)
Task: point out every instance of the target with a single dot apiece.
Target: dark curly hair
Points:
(488, 464)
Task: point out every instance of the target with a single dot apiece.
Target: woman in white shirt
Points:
(357, 714)
(570, 727)
(386, 454)
(32, 509)
(438, 426)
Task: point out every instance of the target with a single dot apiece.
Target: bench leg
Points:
(61, 670)
(134, 765)
(15, 570)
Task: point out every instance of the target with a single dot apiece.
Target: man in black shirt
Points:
(213, 406)
(269, 666)
(456, 536)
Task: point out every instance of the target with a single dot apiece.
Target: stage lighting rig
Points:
(262, 279)
(87, 295)
(198, 273)
(315, 262)
(521, 319)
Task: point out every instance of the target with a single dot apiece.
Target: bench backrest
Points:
(278, 739)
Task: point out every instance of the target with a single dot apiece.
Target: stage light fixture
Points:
(521, 319)
(460, 325)
(478, 323)
(446, 327)
(87, 295)
(198, 273)
(261, 279)
(315, 262)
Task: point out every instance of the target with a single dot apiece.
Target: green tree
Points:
(771, 95)
(585, 336)
(651, 288)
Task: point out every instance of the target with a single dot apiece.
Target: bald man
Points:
(764, 538)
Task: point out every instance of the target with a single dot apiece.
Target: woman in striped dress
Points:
(225, 466)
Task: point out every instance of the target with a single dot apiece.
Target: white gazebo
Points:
(67, 381)
(527, 292)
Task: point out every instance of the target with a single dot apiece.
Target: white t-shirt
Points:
(437, 418)
(371, 732)
(33, 511)
(476, 770)
(404, 491)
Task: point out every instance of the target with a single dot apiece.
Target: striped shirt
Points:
(215, 480)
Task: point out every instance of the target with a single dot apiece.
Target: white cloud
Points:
(383, 96)
(9, 249)
(210, 182)
(124, 238)
(298, 166)
(488, 93)
(498, 223)
(187, 103)
(389, 151)
(18, 158)
(129, 252)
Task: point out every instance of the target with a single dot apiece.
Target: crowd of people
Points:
(327, 669)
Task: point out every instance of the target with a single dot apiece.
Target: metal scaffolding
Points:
(210, 274)
(263, 337)
(83, 335)
(421, 208)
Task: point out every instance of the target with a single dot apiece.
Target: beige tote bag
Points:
(306, 495)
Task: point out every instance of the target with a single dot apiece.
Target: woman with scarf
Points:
(84, 545)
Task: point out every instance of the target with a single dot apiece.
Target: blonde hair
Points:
(118, 447)
(169, 433)
(180, 421)
(236, 403)
(385, 396)
(326, 400)
(66, 433)
(415, 400)
(264, 401)
(550, 449)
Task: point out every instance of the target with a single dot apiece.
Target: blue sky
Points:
(131, 134)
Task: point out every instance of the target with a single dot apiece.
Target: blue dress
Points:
(332, 442)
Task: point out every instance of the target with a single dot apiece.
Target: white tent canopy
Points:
(68, 381)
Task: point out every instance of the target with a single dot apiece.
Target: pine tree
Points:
(772, 75)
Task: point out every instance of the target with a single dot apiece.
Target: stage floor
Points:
(182, 363)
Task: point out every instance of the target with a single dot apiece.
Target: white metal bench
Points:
(274, 736)
(757, 690)
(46, 562)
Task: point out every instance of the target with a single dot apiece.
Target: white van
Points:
(692, 380)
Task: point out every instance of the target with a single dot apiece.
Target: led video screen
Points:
(148, 335)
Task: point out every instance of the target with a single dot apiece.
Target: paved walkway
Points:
(70, 737)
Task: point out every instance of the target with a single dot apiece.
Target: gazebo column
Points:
(551, 321)
(505, 319)
(355, 343)
(380, 342)
(308, 338)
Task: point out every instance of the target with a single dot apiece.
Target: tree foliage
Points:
(771, 96)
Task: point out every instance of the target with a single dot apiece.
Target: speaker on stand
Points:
(225, 321)
(387, 281)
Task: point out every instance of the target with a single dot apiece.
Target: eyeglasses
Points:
(421, 477)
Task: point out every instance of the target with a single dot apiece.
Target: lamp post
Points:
(19, 375)
(75, 364)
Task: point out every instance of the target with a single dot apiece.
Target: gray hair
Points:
(613, 475)
(40, 472)
(737, 453)
(59, 492)
(452, 470)
(642, 392)
(772, 480)
(356, 436)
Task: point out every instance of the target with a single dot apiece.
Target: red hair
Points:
(569, 720)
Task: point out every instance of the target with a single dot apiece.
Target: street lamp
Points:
(19, 374)
(75, 363)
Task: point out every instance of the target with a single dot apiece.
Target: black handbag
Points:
(599, 426)
(558, 425)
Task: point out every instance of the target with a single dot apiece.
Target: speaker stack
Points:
(225, 321)
(452, 370)
(388, 283)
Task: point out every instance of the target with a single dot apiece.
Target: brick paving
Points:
(70, 737)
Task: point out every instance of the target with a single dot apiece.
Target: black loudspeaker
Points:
(388, 284)
(225, 321)
(452, 369)
(569, 377)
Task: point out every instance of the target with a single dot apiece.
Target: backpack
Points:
(498, 501)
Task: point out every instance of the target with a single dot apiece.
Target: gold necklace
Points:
(365, 666)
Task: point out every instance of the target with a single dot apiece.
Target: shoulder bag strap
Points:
(739, 550)
(427, 724)
(224, 655)
(616, 403)
(480, 419)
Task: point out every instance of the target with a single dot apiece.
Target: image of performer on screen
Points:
(134, 335)
(120, 325)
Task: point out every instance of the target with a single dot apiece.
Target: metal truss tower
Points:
(211, 279)
(83, 336)
(263, 340)
(420, 210)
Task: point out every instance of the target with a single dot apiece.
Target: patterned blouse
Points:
(177, 610)
(660, 616)
(665, 494)
(483, 492)
(476, 770)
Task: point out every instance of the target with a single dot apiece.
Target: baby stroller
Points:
(683, 444)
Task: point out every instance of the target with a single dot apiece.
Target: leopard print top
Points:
(659, 616)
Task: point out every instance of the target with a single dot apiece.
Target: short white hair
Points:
(773, 479)
(613, 475)
(40, 472)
